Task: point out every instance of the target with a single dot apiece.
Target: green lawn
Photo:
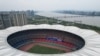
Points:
(44, 50)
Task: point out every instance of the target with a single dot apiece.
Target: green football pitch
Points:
(45, 50)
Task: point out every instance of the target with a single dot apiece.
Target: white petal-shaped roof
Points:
(91, 48)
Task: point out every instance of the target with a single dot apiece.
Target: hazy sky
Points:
(48, 5)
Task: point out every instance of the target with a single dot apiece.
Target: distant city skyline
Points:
(50, 5)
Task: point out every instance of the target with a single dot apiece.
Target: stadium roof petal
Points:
(91, 48)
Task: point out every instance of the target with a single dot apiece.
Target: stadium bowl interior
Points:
(61, 41)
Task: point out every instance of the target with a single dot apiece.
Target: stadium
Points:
(49, 40)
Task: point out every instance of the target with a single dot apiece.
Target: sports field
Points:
(44, 50)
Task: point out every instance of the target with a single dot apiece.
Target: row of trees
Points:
(91, 13)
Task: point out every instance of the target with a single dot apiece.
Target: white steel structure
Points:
(91, 48)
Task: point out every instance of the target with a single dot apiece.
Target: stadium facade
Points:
(87, 40)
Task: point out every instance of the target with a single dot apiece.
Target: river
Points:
(89, 20)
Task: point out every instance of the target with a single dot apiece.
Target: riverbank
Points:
(87, 20)
(37, 19)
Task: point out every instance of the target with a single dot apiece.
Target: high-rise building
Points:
(5, 20)
(12, 19)
(18, 18)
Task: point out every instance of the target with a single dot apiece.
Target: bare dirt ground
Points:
(27, 47)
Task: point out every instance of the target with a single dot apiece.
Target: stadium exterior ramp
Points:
(91, 48)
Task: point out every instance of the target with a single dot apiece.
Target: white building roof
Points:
(91, 48)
